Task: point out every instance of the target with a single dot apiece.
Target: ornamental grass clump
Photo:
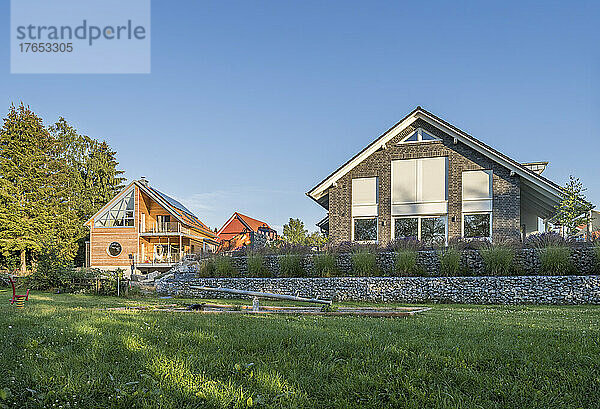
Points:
(290, 265)
(546, 239)
(405, 263)
(407, 243)
(218, 266)
(364, 263)
(256, 266)
(324, 265)
(224, 267)
(556, 260)
(498, 260)
(450, 262)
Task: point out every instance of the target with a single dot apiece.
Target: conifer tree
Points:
(30, 176)
(51, 181)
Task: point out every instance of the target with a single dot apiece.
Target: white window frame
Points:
(376, 224)
(419, 217)
(462, 231)
(419, 132)
(420, 206)
(108, 208)
(360, 209)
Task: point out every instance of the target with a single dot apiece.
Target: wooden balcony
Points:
(165, 229)
(166, 260)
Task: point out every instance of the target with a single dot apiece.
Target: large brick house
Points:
(427, 179)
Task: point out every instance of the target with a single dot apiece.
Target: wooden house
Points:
(142, 229)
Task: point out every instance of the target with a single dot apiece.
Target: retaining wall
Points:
(526, 261)
(468, 290)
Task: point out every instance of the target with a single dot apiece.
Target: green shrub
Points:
(324, 265)
(405, 263)
(218, 266)
(224, 266)
(256, 266)
(498, 260)
(207, 268)
(52, 273)
(290, 265)
(556, 260)
(450, 262)
(364, 263)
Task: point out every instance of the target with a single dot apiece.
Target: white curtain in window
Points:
(433, 179)
(477, 190)
(364, 197)
(419, 186)
(404, 181)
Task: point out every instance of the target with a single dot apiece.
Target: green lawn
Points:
(65, 351)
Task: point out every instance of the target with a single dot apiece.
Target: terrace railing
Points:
(163, 259)
(167, 227)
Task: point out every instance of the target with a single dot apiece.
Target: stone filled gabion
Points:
(526, 262)
(468, 290)
(526, 288)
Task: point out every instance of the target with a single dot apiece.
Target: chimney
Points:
(143, 181)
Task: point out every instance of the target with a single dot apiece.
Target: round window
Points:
(114, 249)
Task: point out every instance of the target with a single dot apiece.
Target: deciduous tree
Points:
(574, 209)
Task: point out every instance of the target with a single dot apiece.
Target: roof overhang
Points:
(157, 198)
(538, 183)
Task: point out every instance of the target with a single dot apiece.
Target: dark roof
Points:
(171, 201)
(180, 210)
(463, 133)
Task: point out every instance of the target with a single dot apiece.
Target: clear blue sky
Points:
(250, 104)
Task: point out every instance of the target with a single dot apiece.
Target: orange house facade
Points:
(241, 231)
(142, 229)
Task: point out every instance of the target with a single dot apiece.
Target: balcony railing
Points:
(166, 227)
(165, 259)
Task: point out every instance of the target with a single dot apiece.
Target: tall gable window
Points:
(477, 203)
(120, 214)
(420, 199)
(420, 135)
(364, 209)
(419, 186)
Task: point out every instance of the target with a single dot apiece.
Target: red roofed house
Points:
(241, 230)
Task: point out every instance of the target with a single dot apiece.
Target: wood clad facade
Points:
(156, 238)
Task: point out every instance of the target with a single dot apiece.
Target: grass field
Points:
(65, 351)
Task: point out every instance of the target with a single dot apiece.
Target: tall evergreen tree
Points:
(51, 181)
(93, 179)
(30, 174)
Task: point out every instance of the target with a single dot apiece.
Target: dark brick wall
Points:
(506, 188)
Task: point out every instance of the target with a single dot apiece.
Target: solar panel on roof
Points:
(173, 202)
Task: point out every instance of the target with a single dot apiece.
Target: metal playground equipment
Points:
(17, 299)
(257, 294)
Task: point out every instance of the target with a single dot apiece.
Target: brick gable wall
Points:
(506, 188)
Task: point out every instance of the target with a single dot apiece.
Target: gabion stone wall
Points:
(526, 261)
(468, 290)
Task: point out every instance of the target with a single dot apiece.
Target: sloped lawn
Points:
(64, 351)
